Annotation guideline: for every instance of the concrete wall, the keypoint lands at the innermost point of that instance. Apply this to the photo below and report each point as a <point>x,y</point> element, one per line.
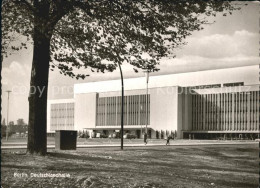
<point>164,109</point>
<point>85,110</point>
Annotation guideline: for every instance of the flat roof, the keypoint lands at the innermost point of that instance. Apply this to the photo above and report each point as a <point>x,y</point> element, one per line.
<point>248,74</point>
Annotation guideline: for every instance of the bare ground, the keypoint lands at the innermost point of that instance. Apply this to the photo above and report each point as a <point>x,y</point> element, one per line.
<point>158,166</point>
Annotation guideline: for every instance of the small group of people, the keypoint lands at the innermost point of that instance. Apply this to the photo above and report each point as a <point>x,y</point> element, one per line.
<point>167,140</point>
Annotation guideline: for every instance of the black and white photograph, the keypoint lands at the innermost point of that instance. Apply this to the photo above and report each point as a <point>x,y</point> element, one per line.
<point>130,94</point>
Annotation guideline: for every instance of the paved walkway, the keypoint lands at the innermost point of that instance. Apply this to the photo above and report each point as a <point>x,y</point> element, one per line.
<point>172,143</point>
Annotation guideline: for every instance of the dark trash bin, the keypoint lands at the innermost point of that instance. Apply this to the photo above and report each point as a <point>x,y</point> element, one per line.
<point>66,140</point>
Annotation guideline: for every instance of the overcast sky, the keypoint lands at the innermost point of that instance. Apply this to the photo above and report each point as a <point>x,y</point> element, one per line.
<point>232,41</point>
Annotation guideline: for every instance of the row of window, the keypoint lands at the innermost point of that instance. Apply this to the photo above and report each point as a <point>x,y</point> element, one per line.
<point>211,112</point>
<point>217,85</point>
<point>62,116</point>
<point>206,86</point>
<point>136,110</point>
<point>233,84</point>
<point>62,110</point>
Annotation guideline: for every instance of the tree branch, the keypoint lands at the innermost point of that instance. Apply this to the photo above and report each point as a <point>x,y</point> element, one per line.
<point>26,4</point>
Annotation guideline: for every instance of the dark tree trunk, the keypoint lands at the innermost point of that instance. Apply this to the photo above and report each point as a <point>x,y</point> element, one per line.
<point>37,137</point>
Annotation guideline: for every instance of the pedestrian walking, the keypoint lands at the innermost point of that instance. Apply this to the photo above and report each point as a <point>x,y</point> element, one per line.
<point>145,138</point>
<point>168,140</point>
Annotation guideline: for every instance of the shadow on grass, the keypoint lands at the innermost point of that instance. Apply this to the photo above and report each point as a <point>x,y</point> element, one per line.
<point>69,156</point>
<point>15,166</point>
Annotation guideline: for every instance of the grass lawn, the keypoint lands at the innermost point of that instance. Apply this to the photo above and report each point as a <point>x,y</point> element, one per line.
<point>107,141</point>
<point>82,141</point>
<point>158,166</point>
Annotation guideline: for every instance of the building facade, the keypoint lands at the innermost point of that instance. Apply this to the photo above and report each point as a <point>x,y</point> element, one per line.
<point>205,104</point>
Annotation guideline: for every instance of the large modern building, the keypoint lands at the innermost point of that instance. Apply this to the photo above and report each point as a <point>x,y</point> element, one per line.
<point>204,104</point>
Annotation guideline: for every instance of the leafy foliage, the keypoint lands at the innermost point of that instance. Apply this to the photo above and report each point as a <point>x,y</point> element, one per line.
<point>16,28</point>
<point>101,34</point>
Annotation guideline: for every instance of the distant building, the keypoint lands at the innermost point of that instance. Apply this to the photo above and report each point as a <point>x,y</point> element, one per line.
<point>204,104</point>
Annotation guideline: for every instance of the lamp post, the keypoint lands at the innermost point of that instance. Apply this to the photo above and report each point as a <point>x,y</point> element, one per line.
<point>146,101</point>
<point>122,107</point>
<point>8,92</point>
